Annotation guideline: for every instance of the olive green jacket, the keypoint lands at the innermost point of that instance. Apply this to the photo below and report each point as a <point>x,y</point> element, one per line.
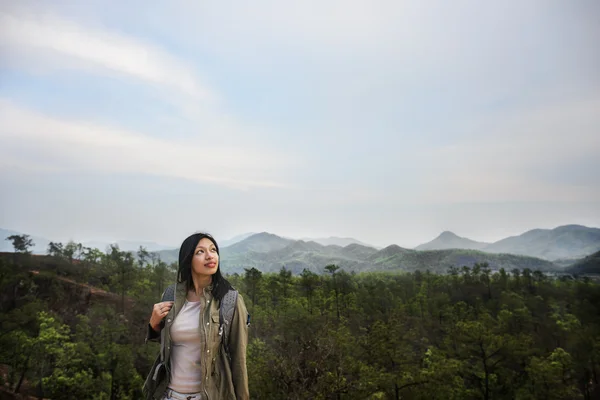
<point>224,375</point>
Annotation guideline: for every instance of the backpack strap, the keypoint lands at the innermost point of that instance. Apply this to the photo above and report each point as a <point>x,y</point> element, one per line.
<point>169,293</point>
<point>226,312</point>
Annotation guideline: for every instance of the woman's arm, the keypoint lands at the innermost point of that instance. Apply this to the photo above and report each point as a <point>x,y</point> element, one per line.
<point>238,342</point>
<point>156,323</point>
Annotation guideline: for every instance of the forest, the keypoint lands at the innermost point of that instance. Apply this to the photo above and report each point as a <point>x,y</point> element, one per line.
<point>73,323</point>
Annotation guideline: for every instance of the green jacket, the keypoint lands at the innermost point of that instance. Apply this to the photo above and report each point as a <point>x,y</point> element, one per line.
<point>224,375</point>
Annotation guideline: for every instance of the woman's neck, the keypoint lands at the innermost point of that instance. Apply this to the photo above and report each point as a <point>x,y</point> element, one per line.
<point>200,282</point>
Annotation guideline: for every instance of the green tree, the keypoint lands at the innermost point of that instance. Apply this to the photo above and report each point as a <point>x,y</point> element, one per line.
<point>308,283</point>
<point>252,279</point>
<point>551,378</point>
<point>332,269</point>
<point>285,281</point>
<point>55,249</point>
<point>21,243</point>
<point>73,251</point>
<point>143,256</point>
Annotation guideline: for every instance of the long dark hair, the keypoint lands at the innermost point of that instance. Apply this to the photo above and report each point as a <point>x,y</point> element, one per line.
<point>220,285</point>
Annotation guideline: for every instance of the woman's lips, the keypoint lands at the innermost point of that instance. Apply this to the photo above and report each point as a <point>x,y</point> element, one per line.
<point>210,265</point>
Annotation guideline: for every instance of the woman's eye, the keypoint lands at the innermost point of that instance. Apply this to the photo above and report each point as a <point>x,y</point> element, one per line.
<point>200,251</point>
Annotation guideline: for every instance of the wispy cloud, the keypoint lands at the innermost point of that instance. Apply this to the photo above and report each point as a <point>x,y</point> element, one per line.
<point>44,40</point>
<point>80,145</point>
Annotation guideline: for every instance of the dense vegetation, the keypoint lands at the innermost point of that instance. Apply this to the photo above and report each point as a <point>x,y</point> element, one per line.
<point>468,334</point>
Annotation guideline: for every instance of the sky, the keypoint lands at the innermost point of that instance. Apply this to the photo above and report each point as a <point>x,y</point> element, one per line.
<point>386,121</point>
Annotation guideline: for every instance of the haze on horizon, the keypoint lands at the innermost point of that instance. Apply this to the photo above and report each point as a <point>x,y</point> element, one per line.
<point>385,121</point>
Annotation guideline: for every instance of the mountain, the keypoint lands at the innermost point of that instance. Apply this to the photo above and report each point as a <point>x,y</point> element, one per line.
<point>568,241</point>
<point>263,242</point>
<point>438,261</point>
<point>260,242</point>
<point>235,239</point>
<point>588,265</point>
<point>449,240</point>
<point>297,255</point>
<point>268,252</point>
<point>562,243</point>
<point>338,241</point>
<point>358,251</point>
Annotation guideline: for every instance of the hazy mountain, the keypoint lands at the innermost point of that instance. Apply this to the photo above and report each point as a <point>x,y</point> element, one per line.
<point>561,243</point>
<point>235,239</point>
<point>388,252</point>
<point>298,255</point>
<point>269,252</point>
<point>40,243</point>
<point>587,265</point>
<point>449,240</point>
<point>337,241</point>
<point>569,241</point>
<point>358,251</point>
<point>397,258</point>
<point>260,242</point>
<point>263,242</point>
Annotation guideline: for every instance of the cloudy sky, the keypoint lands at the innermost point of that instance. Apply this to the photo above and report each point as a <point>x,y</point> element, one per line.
<point>387,121</point>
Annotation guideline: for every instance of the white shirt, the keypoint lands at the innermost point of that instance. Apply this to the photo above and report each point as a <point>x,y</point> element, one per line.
<point>186,372</point>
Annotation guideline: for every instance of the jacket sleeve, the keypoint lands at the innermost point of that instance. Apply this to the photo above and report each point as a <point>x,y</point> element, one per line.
<point>238,342</point>
<point>152,335</point>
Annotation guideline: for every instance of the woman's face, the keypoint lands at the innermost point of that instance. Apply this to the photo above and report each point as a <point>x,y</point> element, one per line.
<point>206,258</point>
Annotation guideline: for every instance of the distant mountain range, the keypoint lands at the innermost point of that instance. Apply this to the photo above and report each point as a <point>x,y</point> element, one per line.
<point>564,242</point>
<point>535,249</point>
<point>268,253</point>
<point>338,241</point>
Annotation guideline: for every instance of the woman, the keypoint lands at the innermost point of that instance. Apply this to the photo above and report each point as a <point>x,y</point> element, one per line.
<point>194,362</point>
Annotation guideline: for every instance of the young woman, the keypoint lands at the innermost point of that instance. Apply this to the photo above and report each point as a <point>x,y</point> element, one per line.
<point>194,362</point>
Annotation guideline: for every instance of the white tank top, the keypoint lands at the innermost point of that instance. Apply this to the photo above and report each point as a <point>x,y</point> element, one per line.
<point>186,372</point>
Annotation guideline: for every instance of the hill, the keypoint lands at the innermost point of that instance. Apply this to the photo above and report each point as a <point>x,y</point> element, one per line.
<point>449,240</point>
<point>337,241</point>
<point>588,265</point>
<point>439,261</point>
<point>241,252</point>
<point>261,242</point>
<point>235,239</point>
<point>568,241</point>
<point>562,243</point>
<point>299,255</point>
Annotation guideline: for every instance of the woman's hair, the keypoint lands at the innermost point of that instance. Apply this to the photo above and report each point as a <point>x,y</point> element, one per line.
<point>220,285</point>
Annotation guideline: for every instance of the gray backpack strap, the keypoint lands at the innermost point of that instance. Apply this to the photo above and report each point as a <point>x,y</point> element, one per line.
<point>226,312</point>
<point>169,294</point>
